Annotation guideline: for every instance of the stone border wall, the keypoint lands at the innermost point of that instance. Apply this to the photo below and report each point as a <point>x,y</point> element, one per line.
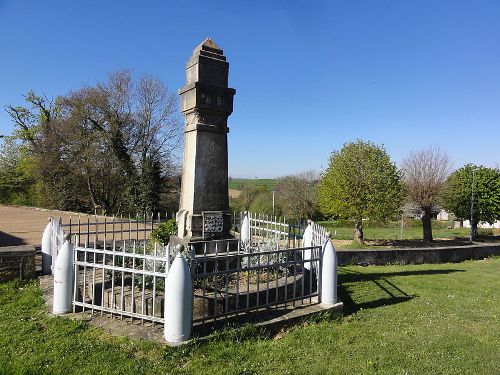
<point>17,262</point>
<point>451,254</point>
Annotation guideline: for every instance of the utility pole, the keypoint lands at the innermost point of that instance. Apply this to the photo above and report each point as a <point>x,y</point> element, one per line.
<point>472,234</point>
<point>273,202</point>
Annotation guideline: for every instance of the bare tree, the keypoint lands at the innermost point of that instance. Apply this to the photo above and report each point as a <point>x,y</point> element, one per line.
<point>155,138</point>
<point>425,172</point>
<point>296,194</point>
<point>106,146</point>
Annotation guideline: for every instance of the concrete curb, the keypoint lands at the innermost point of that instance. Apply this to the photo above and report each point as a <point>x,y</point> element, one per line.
<point>429,255</point>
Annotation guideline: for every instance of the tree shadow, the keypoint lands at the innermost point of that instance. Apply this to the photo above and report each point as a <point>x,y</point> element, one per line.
<point>488,238</point>
<point>10,240</point>
<point>351,276</point>
<point>382,292</point>
<point>437,242</point>
<point>418,243</point>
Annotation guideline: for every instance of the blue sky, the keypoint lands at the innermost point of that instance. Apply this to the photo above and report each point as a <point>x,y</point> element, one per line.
<point>309,75</point>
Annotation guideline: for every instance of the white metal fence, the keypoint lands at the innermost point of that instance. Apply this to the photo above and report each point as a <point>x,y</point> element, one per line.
<point>126,280</point>
<point>265,228</point>
<point>118,269</point>
<point>124,273</point>
<point>98,231</point>
<point>319,234</point>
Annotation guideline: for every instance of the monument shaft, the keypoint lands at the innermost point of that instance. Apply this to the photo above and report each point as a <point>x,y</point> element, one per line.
<point>206,102</point>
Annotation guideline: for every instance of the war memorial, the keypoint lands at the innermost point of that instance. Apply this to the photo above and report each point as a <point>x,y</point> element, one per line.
<point>220,267</point>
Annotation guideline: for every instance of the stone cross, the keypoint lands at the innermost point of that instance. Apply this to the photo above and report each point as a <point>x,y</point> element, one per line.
<point>206,102</point>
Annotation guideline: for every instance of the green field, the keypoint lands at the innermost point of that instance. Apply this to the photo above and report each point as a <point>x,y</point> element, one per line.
<point>425,319</point>
<point>239,183</point>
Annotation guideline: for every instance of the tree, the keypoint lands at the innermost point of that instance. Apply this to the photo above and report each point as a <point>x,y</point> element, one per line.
<point>425,172</point>
<point>106,147</point>
<point>17,183</point>
<point>42,134</point>
<point>157,137</point>
<point>360,182</point>
<point>263,203</point>
<point>296,195</point>
<point>247,197</point>
<point>473,186</point>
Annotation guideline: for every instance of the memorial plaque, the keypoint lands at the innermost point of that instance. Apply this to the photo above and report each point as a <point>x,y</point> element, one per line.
<point>213,222</point>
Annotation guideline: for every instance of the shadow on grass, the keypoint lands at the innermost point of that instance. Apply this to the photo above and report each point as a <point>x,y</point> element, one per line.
<point>419,243</point>
<point>350,276</point>
<point>488,238</point>
<point>379,291</point>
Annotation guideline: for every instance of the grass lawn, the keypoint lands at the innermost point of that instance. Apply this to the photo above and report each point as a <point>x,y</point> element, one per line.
<point>425,319</point>
<point>239,183</point>
<point>409,233</point>
<point>412,230</point>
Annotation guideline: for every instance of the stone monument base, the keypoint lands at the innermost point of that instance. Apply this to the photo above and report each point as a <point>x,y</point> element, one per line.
<point>219,246</point>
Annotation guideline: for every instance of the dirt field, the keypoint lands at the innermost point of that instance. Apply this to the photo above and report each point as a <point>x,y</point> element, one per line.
<point>24,225</point>
<point>233,193</point>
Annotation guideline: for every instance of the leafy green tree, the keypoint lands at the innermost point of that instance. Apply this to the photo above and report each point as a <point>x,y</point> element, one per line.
<point>457,195</point>
<point>17,182</point>
<point>360,182</point>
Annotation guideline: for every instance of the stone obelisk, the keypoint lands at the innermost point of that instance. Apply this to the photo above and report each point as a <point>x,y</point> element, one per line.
<point>206,102</point>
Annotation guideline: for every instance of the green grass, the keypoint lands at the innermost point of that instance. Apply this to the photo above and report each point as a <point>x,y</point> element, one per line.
<point>239,183</point>
<point>425,319</point>
<point>393,231</point>
<point>395,234</point>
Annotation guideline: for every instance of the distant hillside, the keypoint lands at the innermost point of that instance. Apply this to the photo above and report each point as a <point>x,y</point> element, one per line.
<point>239,183</point>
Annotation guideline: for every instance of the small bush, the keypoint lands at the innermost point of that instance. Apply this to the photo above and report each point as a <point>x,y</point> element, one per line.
<point>163,231</point>
<point>485,232</point>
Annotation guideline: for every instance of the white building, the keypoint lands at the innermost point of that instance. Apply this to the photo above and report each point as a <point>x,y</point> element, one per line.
<point>443,215</point>
<point>483,224</point>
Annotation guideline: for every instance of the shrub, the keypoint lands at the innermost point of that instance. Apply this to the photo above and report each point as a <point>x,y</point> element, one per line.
<point>485,232</point>
<point>163,231</point>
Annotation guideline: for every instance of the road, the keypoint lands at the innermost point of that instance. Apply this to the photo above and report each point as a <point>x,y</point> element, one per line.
<point>25,225</point>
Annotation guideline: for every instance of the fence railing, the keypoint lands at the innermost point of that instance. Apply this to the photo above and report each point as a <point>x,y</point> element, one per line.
<point>265,228</point>
<point>319,234</point>
<point>103,231</point>
<point>128,276</point>
<point>230,281</point>
<point>126,280</point>
<point>95,231</point>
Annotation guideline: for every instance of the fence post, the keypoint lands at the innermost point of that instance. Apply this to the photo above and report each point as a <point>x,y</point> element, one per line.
<point>245,232</point>
<point>63,279</point>
<point>47,249</point>
<point>178,301</point>
<point>57,239</point>
<point>307,241</point>
<point>329,274</point>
